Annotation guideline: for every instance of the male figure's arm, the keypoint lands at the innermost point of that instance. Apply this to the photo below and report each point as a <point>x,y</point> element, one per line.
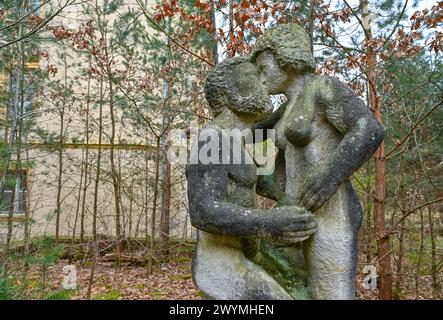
<point>207,187</point>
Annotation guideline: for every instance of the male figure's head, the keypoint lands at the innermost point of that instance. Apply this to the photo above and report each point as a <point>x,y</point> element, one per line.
<point>282,53</point>
<point>234,84</point>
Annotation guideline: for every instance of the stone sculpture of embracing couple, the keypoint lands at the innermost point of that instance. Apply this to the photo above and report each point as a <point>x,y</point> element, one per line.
<point>306,246</point>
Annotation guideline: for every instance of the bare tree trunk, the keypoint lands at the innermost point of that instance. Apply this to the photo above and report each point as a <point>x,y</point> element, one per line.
<point>214,53</point>
<point>145,191</point>
<point>9,231</point>
<point>312,4</point>
<point>368,222</point>
<point>420,256</point>
<point>165,174</point>
<point>166,208</point>
<point>94,253</point>
<point>114,172</point>
<point>401,249</point>
<point>154,204</point>
<point>384,256</point>
<point>95,246</point>
<point>106,67</point>
<point>434,271</point>
<point>85,182</point>
<point>14,108</point>
<point>131,201</point>
<point>17,115</point>
<point>122,208</point>
<point>77,210</point>
<point>83,201</point>
<point>231,27</point>
<point>60,152</point>
<point>26,231</point>
<point>59,180</point>
<point>99,155</point>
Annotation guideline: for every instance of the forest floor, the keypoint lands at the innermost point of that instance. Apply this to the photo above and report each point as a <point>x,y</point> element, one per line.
<point>168,280</point>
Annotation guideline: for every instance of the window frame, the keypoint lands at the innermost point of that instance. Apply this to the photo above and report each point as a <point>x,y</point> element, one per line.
<point>25,202</point>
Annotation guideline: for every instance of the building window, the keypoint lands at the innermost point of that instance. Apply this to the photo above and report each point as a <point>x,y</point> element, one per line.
<point>26,107</point>
<point>15,193</point>
<point>3,102</point>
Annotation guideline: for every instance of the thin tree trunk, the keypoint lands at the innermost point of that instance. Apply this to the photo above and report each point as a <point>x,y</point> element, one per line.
<point>26,250</point>
<point>94,253</point>
<point>114,172</point>
<point>230,54</point>
<point>124,221</point>
<point>85,182</point>
<point>384,258</point>
<point>18,119</point>
<point>434,272</point>
<point>214,51</point>
<point>77,210</point>
<point>165,174</point>
<point>9,231</point>
<point>146,193</point>
<point>154,205</point>
<point>83,202</point>
<point>95,247</point>
<point>99,155</point>
<point>26,231</point>
<point>60,152</point>
<point>131,201</point>
<point>106,67</point>
<point>401,249</point>
<point>14,105</point>
<point>368,222</point>
<point>420,256</point>
<point>312,4</point>
<point>166,212</point>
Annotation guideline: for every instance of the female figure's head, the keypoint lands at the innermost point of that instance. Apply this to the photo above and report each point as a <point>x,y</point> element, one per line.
<point>234,84</point>
<point>281,53</point>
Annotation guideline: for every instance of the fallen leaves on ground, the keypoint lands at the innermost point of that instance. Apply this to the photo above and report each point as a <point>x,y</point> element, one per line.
<point>171,280</point>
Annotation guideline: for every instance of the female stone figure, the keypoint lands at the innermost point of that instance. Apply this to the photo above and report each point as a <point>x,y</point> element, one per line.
<point>222,194</point>
<point>324,133</point>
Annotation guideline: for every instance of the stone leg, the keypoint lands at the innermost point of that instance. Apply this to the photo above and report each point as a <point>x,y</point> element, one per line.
<point>332,253</point>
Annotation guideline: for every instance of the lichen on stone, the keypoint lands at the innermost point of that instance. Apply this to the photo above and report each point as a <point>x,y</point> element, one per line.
<point>231,85</point>
<point>290,45</point>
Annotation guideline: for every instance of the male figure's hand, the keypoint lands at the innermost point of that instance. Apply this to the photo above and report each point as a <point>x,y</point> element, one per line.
<point>294,224</point>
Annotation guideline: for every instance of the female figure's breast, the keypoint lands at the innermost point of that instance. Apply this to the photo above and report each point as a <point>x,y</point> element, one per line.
<point>280,139</point>
<point>324,139</point>
<point>298,131</point>
<point>293,128</point>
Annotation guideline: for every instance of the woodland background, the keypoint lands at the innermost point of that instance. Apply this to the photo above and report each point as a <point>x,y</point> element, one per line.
<point>147,62</point>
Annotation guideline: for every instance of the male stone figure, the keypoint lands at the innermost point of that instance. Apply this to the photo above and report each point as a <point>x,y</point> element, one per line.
<point>222,194</point>
<point>324,133</point>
